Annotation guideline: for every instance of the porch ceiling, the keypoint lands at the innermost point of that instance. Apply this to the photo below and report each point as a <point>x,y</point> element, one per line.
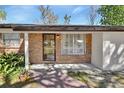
<point>62,28</point>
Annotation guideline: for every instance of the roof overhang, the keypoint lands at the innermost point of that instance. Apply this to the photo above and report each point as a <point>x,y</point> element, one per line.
<point>62,28</point>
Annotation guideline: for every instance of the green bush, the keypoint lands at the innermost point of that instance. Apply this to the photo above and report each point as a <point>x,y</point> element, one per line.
<point>11,62</point>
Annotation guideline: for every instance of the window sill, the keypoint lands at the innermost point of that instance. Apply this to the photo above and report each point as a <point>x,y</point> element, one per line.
<point>73,54</point>
<point>4,47</point>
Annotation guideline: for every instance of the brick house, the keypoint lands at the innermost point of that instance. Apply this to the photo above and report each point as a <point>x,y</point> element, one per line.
<point>102,46</point>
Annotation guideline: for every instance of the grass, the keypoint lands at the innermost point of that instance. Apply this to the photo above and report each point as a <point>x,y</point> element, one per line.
<point>109,80</point>
<point>84,77</point>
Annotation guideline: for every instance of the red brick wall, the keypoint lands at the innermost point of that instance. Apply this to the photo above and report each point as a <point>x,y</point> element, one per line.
<point>36,49</point>
<point>74,58</point>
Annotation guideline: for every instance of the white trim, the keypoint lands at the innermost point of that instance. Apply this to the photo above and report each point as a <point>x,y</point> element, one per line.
<point>6,30</point>
<point>26,51</point>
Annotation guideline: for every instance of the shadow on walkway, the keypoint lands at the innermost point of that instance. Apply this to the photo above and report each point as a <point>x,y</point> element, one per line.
<point>48,79</point>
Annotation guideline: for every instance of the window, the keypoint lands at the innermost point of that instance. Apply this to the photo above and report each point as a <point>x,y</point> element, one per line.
<point>11,39</point>
<point>73,44</point>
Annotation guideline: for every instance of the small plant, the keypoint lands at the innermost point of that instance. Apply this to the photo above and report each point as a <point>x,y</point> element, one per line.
<point>1,76</point>
<point>24,75</point>
<point>10,64</point>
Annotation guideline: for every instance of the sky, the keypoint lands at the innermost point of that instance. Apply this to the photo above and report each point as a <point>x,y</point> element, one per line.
<point>30,14</point>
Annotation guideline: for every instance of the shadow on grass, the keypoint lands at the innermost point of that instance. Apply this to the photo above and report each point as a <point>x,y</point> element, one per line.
<point>107,80</point>
<point>82,76</point>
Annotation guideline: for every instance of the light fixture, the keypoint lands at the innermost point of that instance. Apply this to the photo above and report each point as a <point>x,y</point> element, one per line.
<point>58,36</point>
<point>80,41</point>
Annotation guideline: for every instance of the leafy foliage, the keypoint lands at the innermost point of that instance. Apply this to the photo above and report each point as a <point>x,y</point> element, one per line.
<point>47,15</point>
<point>112,15</point>
<point>93,15</point>
<point>11,62</point>
<point>67,19</point>
<point>2,15</point>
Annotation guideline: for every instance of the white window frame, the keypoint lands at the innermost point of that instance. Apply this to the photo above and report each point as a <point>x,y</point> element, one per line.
<point>73,48</point>
<point>10,45</point>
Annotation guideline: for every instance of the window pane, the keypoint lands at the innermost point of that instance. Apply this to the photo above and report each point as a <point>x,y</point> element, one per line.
<point>79,41</point>
<point>73,44</point>
<point>11,40</point>
<point>70,41</point>
<point>66,41</point>
<point>11,36</point>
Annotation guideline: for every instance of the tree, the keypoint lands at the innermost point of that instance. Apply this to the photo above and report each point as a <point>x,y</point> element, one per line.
<point>92,14</point>
<point>47,15</point>
<point>111,15</point>
<point>2,15</point>
<point>67,19</point>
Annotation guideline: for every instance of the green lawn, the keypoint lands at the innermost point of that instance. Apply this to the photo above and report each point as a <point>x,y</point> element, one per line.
<point>114,80</point>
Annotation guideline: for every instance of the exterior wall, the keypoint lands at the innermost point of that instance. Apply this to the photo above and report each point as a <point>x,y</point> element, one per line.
<point>108,50</point>
<point>19,49</point>
<point>36,48</point>
<point>74,58</point>
<point>97,47</point>
<point>113,51</point>
<point>1,44</point>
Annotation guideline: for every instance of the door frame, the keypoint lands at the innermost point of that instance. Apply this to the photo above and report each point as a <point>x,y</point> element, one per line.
<point>54,46</point>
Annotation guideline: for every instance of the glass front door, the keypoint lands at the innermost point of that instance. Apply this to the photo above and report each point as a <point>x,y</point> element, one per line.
<point>49,47</point>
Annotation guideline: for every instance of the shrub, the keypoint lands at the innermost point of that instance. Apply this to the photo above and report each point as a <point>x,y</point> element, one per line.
<point>11,62</point>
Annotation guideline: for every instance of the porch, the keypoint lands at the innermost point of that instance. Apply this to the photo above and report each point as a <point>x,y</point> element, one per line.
<point>66,67</point>
<point>102,46</point>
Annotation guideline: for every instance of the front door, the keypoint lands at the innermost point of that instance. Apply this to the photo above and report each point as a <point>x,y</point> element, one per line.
<point>49,47</point>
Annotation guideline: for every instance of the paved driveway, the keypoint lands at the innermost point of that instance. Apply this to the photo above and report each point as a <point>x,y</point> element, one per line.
<point>53,79</point>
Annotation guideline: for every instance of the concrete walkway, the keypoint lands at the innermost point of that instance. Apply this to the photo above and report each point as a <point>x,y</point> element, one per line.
<point>53,79</point>
<point>84,66</point>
